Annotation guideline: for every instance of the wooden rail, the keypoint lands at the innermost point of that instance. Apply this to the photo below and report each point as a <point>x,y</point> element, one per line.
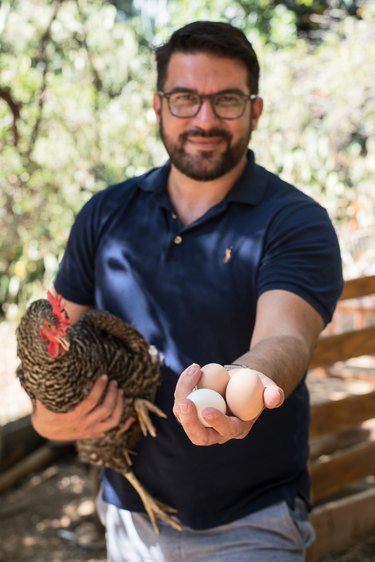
<point>338,415</point>
<point>361,287</point>
<point>341,347</point>
<point>341,469</point>
<point>341,516</point>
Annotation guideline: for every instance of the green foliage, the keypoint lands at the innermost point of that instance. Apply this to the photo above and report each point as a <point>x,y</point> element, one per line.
<point>318,129</point>
<point>278,21</point>
<point>76,83</point>
<point>74,115</point>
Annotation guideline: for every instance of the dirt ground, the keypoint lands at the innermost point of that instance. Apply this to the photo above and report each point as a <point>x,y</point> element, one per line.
<point>50,515</point>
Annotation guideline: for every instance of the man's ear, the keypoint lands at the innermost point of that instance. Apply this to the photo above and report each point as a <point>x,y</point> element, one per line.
<point>256,112</point>
<point>156,103</point>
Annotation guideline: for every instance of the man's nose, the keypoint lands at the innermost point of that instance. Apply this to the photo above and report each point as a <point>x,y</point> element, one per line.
<point>206,113</point>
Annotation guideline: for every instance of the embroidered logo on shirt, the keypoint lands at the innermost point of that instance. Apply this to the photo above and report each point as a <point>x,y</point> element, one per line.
<point>228,254</point>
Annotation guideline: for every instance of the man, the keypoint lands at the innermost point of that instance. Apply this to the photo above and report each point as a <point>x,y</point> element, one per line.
<point>213,259</point>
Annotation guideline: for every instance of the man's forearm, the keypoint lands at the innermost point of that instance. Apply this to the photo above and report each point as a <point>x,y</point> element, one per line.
<point>284,359</point>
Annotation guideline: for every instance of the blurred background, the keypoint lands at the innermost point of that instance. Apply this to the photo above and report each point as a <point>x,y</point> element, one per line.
<point>76,84</point>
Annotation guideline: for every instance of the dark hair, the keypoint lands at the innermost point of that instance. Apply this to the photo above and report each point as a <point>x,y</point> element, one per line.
<point>217,38</point>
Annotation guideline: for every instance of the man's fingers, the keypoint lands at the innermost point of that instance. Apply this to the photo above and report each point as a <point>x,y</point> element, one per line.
<point>106,416</point>
<point>186,413</point>
<point>99,412</point>
<point>273,396</point>
<point>94,396</point>
<point>224,425</point>
<point>115,408</point>
<point>110,407</point>
<point>129,422</point>
<point>223,428</point>
<point>187,381</point>
<point>229,427</point>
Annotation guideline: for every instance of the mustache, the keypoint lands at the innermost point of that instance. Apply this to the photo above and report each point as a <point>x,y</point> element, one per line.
<point>215,132</point>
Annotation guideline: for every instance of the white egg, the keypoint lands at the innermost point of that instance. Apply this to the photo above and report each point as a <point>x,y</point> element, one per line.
<point>215,377</point>
<point>207,398</point>
<point>244,394</point>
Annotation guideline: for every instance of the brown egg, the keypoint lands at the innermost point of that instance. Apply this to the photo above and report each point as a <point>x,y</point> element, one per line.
<point>215,377</point>
<point>244,394</point>
<point>234,370</point>
<point>207,398</point>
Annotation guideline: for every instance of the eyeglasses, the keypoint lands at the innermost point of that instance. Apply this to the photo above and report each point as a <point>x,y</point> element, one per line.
<point>225,105</point>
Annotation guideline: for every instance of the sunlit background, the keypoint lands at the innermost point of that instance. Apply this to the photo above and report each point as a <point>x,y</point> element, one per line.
<point>76,83</point>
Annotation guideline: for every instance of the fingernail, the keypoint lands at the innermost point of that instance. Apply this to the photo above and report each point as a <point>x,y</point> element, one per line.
<point>192,369</point>
<point>104,378</point>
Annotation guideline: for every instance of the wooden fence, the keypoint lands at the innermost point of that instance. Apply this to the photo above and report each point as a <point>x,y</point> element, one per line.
<point>342,440</point>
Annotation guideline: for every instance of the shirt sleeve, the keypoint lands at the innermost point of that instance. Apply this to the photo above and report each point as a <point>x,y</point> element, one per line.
<point>302,255</point>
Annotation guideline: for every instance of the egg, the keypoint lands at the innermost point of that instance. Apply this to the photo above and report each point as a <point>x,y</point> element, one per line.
<point>215,377</point>
<point>207,398</point>
<point>244,394</point>
<point>232,371</point>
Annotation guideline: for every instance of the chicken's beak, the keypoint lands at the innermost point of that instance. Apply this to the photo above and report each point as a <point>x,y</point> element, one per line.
<point>63,342</point>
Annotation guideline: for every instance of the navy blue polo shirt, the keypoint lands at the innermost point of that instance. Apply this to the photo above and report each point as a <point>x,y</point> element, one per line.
<point>192,291</point>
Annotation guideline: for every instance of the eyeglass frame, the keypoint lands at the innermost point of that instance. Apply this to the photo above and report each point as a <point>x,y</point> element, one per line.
<point>210,98</point>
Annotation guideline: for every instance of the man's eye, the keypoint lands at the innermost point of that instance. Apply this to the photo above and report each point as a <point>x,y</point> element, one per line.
<point>185,97</point>
<point>228,99</point>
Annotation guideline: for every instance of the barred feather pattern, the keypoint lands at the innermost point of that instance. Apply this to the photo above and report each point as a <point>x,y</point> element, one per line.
<point>99,343</point>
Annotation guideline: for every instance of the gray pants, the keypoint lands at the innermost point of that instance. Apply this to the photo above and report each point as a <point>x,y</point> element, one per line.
<point>273,534</point>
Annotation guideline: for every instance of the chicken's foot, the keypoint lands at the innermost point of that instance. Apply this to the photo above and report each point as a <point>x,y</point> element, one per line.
<point>127,457</point>
<point>142,408</point>
<point>153,507</point>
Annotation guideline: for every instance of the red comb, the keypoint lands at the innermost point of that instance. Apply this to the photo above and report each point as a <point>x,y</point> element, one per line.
<point>58,309</point>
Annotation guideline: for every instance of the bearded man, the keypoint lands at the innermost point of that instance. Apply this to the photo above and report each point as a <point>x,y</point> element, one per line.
<point>213,259</point>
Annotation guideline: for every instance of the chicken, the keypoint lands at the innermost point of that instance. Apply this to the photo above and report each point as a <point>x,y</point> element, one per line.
<point>59,364</point>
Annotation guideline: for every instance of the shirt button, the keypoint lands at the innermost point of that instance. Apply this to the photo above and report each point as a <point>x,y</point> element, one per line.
<point>177,240</point>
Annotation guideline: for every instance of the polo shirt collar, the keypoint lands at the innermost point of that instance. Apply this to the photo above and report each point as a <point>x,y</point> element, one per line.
<point>251,185</point>
<point>249,188</point>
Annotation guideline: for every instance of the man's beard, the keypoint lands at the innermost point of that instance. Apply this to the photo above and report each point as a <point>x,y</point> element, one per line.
<point>205,165</point>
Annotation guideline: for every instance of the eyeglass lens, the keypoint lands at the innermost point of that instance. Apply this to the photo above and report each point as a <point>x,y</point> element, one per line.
<point>226,105</point>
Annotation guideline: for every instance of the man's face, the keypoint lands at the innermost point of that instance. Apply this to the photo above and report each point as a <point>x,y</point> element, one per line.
<point>206,147</point>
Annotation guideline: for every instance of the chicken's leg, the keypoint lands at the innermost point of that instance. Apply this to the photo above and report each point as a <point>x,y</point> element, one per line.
<point>153,507</point>
<point>142,408</point>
